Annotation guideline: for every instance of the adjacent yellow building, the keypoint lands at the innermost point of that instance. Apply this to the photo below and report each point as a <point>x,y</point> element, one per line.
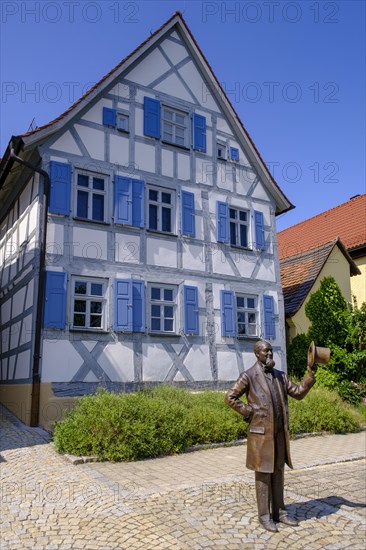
<point>332,243</point>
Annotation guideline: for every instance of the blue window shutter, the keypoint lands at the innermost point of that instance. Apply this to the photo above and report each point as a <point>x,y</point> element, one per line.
<point>222,221</point>
<point>234,153</point>
<point>228,325</point>
<point>259,230</point>
<point>188,220</point>
<point>122,200</point>
<point>55,300</point>
<point>129,201</point>
<point>199,133</point>
<point>138,306</point>
<point>60,181</point>
<point>151,117</point>
<point>191,317</point>
<point>123,305</point>
<point>269,317</point>
<point>109,117</point>
<point>138,194</point>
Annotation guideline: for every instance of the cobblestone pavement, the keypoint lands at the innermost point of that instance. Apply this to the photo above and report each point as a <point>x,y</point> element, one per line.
<point>194,501</point>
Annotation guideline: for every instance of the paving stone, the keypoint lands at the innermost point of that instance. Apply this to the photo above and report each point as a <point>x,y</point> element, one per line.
<point>196,501</point>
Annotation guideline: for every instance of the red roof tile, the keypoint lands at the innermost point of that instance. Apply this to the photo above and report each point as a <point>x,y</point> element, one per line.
<point>346,221</point>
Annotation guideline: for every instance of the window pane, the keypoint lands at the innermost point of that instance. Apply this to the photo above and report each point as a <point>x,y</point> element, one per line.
<point>251,302</point>
<point>243,216</point>
<point>241,329</point>
<point>155,324</point>
<point>79,320</point>
<point>179,132</point>
<point>155,311</point>
<point>221,151</point>
<point>79,306</point>
<point>168,312</point>
<point>251,317</point>
<point>168,137</point>
<point>179,140</point>
<point>241,317</point>
<point>252,330</point>
<point>83,181</point>
<point>122,122</point>
<point>232,213</point>
<point>155,293</point>
<point>179,119</point>
<point>166,198</point>
<point>243,235</point>
<point>80,287</point>
<point>153,195</point>
<point>95,307</point>
<point>168,294</point>
<point>168,115</point>
<point>98,207</point>
<point>82,206</point>
<point>96,289</point>
<point>166,224</point>
<point>240,301</point>
<point>232,233</point>
<point>168,325</point>
<point>98,183</point>
<point>167,132</point>
<point>96,321</point>
<point>153,216</point>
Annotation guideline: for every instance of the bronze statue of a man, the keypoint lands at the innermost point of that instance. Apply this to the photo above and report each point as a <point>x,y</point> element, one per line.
<point>268,446</point>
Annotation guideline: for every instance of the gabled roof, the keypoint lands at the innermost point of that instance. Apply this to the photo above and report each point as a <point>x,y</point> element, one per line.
<point>346,221</point>
<point>299,273</point>
<point>31,139</point>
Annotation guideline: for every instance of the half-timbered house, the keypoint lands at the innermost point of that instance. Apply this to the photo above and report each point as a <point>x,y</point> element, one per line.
<point>138,240</point>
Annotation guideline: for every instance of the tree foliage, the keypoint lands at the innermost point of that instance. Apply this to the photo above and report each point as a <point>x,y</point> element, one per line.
<point>356,336</point>
<point>296,355</point>
<point>327,310</point>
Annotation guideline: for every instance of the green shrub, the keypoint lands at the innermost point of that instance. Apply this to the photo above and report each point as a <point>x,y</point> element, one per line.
<point>322,410</point>
<point>166,420</point>
<point>123,427</point>
<point>348,390</point>
<point>362,410</point>
<point>213,421</point>
<point>149,423</point>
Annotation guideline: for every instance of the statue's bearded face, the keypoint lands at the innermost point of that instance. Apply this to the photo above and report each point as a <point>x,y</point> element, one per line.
<point>265,356</point>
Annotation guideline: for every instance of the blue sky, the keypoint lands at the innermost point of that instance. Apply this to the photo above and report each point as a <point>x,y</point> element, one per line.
<point>294,71</point>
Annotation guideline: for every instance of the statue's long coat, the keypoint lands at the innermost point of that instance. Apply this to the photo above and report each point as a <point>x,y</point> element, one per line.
<point>259,412</point>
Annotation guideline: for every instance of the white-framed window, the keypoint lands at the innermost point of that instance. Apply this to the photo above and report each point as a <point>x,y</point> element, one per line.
<point>123,122</point>
<point>247,315</point>
<point>221,151</point>
<point>161,209</point>
<point>162,308</point>
<point>88,303</point>
<point>91,196</point>
<point>239,227</point>
<point>175,126</point>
